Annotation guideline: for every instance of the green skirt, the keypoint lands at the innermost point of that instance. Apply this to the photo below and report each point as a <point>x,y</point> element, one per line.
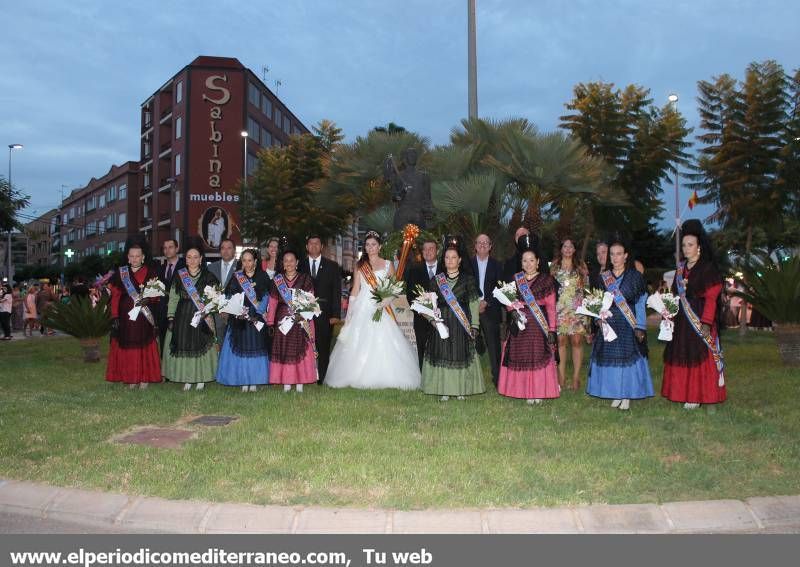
<point>441,381</point>
<point>188,369</point>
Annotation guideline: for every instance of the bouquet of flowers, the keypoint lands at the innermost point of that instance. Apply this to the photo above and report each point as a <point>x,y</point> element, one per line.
<point>305,307</point>
<point>597,303</point>
<point>214,301</point>
<point>384,293</point>
<point>506,294</point>
<point>425,305</point>
<point>666,305</point>
<point>154,288</point>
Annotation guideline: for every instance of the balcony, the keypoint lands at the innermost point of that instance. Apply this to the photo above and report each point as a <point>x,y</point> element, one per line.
<point>165,185</point>
<point>146,194</point>
<point>166,149</point>
<point>145,222</point>
<point>165,115</point>
<point>164,219</point>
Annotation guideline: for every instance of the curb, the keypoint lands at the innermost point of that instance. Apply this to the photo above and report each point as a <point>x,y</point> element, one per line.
<point>109,510</point>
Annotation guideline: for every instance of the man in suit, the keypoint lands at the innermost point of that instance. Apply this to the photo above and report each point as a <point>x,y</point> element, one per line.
<point>167,272</point>
<point>421,274</point>
<point>327,277</point>
<point>488,272</point>
<point>223,270</point>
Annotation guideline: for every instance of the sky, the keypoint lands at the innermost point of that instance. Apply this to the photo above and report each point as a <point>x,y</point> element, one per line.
<point>74,73</point>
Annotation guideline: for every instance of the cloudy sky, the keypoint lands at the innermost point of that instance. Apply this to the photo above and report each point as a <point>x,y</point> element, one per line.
<point>73,73</point>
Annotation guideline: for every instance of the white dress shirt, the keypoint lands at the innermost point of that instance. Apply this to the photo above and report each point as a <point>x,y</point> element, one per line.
<point>311,261</point>
<point>481,273</point>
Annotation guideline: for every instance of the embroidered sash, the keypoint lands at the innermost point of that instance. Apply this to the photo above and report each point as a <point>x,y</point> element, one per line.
<point>194,295</point>
<point>530,301</point>
<point>250,294</point>
<point>125,276</point>
<point>694,320</point>
<point>369,275</point>
<point>286,294</point>
<point>613,286</point>
<point>452,302</point>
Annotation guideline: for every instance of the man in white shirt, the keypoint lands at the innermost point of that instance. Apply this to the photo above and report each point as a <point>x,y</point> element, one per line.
<point>223,270</point>
<point>488,272</point>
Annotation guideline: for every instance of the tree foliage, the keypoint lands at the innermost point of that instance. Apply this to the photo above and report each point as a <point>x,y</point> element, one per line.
<point>11,202</point>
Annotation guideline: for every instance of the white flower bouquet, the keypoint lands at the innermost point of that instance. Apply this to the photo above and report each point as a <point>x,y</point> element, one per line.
<point>425,305</point>
<point>214,301</point>
<point>384,293</point>
<point>597,303</point>
<point>305,307</point>
<point>154,288</point>
<point>506,294</point>
<point>666,304</point>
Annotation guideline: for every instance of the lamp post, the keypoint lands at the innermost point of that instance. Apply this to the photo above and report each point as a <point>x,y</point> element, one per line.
<point>245,135</point>
<point>11,148</point>
<point>673,99</point>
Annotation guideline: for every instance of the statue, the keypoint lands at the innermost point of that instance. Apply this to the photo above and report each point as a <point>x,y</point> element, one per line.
<point>411,190</point>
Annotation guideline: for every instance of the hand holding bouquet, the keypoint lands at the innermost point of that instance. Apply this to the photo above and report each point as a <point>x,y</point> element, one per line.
<point>154,288</point>
<point>506,294</point>
<point>597,303</point>
<point>425,305</point>
<point>305,307</point>
<point>666,305</point>
<point>214,301</point>
<point>384,293</point>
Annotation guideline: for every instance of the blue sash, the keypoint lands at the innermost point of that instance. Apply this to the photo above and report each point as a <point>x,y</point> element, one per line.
<point>194,295</point>
<point>530,301</point>
<point>250,294</point>
<point>694,320</point>
<point>452,302</point>
<point>613,286</point>
<point>125,276</point>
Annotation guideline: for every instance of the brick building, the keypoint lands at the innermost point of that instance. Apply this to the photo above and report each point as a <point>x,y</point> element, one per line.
<point>98,218</point>
<point>193,149</point>
<point>43,233</point>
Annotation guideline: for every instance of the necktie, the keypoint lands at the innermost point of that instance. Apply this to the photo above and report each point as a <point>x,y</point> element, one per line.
<point>169,271</point>
<point>314,268</point>
<point>431,271</point>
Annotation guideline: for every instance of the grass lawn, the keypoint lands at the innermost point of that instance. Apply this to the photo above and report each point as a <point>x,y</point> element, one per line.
<point>400,449</point>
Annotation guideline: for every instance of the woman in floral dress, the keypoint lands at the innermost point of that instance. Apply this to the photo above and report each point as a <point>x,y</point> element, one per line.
<point>572,276</point>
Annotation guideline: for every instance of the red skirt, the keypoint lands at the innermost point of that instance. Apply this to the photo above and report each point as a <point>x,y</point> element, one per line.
<point>133,365</point>
<point>694,384</point>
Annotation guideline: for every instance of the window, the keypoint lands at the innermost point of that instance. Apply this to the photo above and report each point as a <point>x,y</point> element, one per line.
<point>146,181</point>
<point>178,235</point>
<point>287,125</point>
<point>146,212</point>
<point>102,202</point>
<point>123,192</point>
<point>266,106</point>
<point>178,127</point>
<point>101,227</point>
<point>71,213</point>
<point>254,95</point>
<point>278,117</point>
<point>252,163</point>
<point>146,149</point>
<point>71,236</point>
<point>91,228</point>
<point>90,203</point>
<point>177,201</point>
<point>110,221</point>
<point>179,92</point>
<point>253,130</point>
<point>112,193</point>
<point>122,220</point>
<point>177,164</point>
<point>121,245</point>
<point>266,138</point>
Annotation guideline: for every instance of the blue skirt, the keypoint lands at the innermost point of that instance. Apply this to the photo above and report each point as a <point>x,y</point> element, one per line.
<point>620,382</point>
<point>235,370</point>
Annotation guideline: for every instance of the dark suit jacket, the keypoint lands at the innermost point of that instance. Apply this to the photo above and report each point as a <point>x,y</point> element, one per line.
<point>415,274</point>
<point>162,272</point>
<point>327,286</point>
<point>216,269</point>
<point>494,273</point>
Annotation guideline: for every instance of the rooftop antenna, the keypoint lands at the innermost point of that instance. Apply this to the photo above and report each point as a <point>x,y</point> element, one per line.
<point>264,71</point>
<point>277,84</point>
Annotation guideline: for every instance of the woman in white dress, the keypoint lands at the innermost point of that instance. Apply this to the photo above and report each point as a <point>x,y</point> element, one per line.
<point>370,354</point>
<point>216,229</point>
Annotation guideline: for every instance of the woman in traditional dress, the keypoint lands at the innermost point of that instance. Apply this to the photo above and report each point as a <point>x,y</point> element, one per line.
<point>190,353</point>
<point>133,357</point>
<point>451,366</point>
<point>17,309</point>
<point>572,276</point>
<point>372,354</point>
<point>618,369</point>
<point>269,262</point>
<point>293,360</point>
<point>691,373</point>
<point>244,358</point>
<point>527,367</point>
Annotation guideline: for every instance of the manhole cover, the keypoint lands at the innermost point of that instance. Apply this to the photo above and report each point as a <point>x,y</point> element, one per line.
<point>163,438</point>
<point>213,420</point>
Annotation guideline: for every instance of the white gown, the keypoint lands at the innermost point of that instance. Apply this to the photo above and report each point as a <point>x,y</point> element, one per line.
<point>369,354</point>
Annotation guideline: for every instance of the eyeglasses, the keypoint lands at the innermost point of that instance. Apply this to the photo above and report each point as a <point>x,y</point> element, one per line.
<point>483,243</point>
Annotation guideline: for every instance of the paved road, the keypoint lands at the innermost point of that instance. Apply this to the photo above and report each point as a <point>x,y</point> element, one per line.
<point>12,523</point>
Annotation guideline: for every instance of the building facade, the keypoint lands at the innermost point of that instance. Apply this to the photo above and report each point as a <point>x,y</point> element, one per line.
<point>98,218</point>
<point>194,151</point>
<point>42,233</point>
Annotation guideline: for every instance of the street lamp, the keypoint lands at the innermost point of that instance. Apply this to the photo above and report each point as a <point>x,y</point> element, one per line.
<point>673,99</point>
<point>245,135</point>
<point>11,148</point>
